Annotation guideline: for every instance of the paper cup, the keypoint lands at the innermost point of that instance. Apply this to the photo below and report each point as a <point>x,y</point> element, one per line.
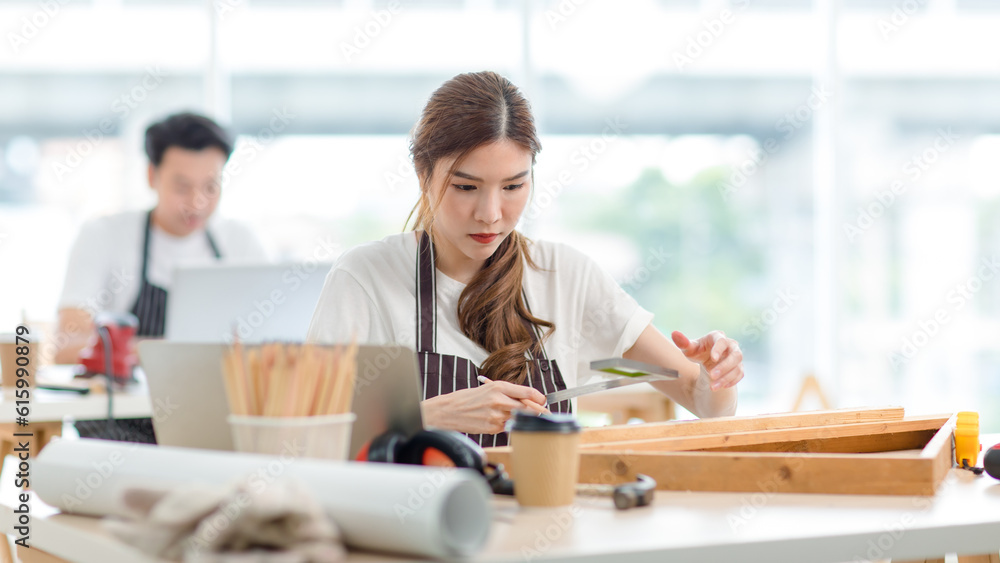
<point>545,458</point>
<point>10,360</point>
<point>324,437</point>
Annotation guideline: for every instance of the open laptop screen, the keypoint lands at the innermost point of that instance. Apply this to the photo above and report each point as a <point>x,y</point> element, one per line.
<point>260,302</point>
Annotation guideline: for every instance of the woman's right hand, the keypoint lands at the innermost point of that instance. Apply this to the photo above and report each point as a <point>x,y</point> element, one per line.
<point>480,410</point>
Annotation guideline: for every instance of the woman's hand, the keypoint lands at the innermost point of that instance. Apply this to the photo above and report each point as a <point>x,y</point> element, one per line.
<point>481,410</point>
<point>720,356</point>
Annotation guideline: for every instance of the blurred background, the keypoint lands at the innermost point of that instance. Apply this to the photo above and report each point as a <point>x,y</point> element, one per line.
<point>814,178</point>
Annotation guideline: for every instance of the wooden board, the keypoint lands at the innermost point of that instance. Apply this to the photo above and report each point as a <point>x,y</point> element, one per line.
<point>841,451</point>
<point>739,424</point>
<point>863,432</point>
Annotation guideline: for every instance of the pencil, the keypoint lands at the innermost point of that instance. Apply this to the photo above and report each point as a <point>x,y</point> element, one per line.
<point>350,372</point>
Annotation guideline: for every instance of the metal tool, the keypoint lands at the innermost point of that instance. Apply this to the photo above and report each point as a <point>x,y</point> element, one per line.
<point>627,495</point>
<point>557,396</point>
<point>631,368</point>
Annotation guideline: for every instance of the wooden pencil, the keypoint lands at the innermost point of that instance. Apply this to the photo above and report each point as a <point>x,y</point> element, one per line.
<point>267,371</point>
<point>310,380</point>
<point>267,359</point>
<point>303,372</point>
<point>290,381</point>
<point>333,401</point>
<point>279,380</point>
<point>283,380</point>
<point>229,376</point>
<point>253,374</point>
<point>324,386</point>
<point>329,388</point>
<point>238,366</point>
<point>350,371</point>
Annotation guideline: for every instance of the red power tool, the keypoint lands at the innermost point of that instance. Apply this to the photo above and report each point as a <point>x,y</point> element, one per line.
<point>115,337</point>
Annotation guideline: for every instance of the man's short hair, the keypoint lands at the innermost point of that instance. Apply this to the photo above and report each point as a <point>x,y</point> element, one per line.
<point>188,131</point>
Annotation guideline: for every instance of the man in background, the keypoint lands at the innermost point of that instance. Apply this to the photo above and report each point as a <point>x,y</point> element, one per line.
<point>124,262</point>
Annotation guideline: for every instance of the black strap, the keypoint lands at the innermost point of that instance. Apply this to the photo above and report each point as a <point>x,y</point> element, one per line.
<point>426,296</point>
<point>145,243</point>
<point>211,244</point>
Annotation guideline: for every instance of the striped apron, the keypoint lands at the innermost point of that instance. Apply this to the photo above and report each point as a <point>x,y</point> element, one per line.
<point>151,305</point>
<point>443,373</point>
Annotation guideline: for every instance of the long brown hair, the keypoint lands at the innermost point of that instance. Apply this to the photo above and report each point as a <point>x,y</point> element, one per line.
<point>466,112</point>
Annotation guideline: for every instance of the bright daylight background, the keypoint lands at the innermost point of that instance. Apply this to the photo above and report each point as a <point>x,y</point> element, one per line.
<point>817,179</point>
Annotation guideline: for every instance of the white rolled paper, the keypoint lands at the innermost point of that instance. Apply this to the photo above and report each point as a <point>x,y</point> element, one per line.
<point>431,512</point>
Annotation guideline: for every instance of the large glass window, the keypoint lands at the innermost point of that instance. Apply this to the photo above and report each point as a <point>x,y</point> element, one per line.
<point>816,183</point>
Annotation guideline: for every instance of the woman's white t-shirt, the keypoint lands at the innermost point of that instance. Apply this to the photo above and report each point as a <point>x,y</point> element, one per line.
<point>105,265</point>
<point>371,293</point>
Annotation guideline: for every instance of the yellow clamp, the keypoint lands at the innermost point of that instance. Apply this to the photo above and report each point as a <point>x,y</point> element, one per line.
<point>967,446</point>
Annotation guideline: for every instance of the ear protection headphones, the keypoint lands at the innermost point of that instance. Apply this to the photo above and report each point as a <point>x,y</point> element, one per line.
<point>440,448</point>
<point>426,447</point>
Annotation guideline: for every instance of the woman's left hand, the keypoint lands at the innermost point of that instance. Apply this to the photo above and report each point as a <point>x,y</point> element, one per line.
<point>721,357</point>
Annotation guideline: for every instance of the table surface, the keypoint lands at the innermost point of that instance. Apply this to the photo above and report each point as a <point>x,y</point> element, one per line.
<point>54,406</point>
<point>963,517</point>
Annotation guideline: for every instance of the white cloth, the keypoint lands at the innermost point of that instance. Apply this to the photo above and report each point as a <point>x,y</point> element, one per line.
<point>279,522</point>
<point>105,265</point>
<point>371,292</point>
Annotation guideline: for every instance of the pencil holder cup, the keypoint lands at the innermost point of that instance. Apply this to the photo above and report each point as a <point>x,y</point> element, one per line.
<point>325,436</point>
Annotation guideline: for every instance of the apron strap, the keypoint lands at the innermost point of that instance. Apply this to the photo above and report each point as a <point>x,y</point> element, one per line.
<point>212,245</point>
<point>145,244</point>
<point>426,296</point>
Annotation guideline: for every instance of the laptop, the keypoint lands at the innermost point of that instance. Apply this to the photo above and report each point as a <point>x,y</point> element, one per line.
<point>187,391</point>
<point>259,302</point>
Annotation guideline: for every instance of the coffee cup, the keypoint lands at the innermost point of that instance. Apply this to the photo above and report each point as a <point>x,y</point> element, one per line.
<point>545,458</point>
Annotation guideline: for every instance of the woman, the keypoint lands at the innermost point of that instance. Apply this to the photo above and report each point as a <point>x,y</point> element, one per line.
<point>475,297</point>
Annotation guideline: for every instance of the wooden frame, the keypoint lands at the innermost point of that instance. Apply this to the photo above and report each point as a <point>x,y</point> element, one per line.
<point>861,451</point>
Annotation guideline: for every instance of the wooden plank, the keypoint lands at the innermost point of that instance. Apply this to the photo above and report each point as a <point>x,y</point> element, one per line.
<point>756,472</point>
<point>874,443</point>
<point>764,473</point>
<point>940,451</point>
<point>862,431</point>
<point>739,424</point>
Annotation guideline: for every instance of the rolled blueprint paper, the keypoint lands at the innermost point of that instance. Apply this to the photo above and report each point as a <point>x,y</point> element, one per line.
<point>431,512</point>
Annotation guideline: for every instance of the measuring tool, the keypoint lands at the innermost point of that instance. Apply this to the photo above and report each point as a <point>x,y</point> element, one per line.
<point>967,446</point>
